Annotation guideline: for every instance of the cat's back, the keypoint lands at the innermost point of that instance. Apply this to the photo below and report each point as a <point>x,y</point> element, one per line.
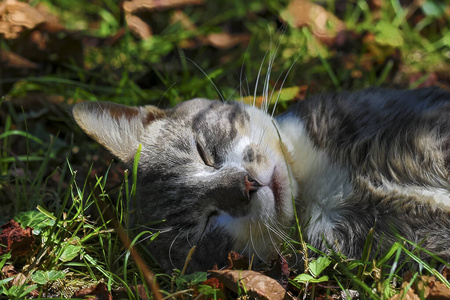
<point>401,136</point>
<point>384,163</point>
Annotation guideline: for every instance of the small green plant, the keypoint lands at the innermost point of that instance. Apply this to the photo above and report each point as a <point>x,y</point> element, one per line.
<point>315,269</point>
<point>393,44</point>
<point>185,281</point>
<point>15,291</point>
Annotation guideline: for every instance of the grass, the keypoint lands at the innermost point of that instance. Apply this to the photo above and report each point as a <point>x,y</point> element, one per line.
<point>55,180</point>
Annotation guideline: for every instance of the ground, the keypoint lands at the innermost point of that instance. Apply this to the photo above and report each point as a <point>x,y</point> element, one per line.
<point>57,53</point>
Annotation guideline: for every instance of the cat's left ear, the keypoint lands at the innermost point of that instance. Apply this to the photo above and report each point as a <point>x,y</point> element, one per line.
<point>117,127</point>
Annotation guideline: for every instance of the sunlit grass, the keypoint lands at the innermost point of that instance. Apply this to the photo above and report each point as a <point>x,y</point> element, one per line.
<point>78,244</point>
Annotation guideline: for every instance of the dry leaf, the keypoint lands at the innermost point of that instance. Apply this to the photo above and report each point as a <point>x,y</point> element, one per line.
<point>179,16</point>
<point>427,287</point>
<point>12,60</point>
<point>20,279</point>
<point>136,5</point>
<point>138,27</point>
<point>436,289</point>
<point>237,261</point>
<point>9,31</point>
<point>14,66</point>
<point>16,239</point>
<point>215,284</point>
<point>410,295</point>
<point>255,284</point>
<point>225,40</point>
<point>45,41</point>
<point>97,292</point>
<point>8,271</point>
<point>280,271</point>
<point>15,16</point>
<point>221,40</point>
<point>122,293</point>
<point>324,25</point>
<point>446,272</point>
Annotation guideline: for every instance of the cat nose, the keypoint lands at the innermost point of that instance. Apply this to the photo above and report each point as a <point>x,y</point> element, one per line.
<point>251,185</point>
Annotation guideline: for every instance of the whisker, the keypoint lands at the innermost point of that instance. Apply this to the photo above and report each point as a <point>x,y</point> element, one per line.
<point>137,242</point>
<point>232,93</point>
<point>146,237</point>
<point>264,102</point>
<point>284,80</point>
<point>257,78</point>
<point>274,243</point>
<point>262,234</point>
<point>285,238</point>
<point>253,246</point>
<point>171,245</point>
<point>240,76</point>
<point>207,76</point>
<point>165,92</point>
<point>269,71</point>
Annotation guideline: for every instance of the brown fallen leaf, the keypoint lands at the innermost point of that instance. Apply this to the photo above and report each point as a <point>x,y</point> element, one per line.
<point>49,43</point>
<point>97,292</point>
<point>15,16</point>
<point>122,293</point>
<point>280,271</point>
<point>38,38</point>
<point>220,40</point>
<point>324,25</point>
<point>8,271</point>
<point>446,273</point>
<point>19,279</point>
<point>13,66</point>
<point>11,60</point>
<point>237,261</point>
<point>138,27</point>
<point>15,239</point>
<point>254,283</point>
<point>215,284</point>
<point>225,40</point>
<point>39,35</point>
<point>437,290</point>
<point>424,287</point>
<point>179,16</point>
<point>136,5</point>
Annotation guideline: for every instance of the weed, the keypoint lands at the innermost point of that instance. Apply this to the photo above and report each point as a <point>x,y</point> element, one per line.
<point>76,245</point>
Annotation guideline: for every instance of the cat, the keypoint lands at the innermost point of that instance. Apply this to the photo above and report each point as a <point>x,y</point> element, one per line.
<point>225,176</point>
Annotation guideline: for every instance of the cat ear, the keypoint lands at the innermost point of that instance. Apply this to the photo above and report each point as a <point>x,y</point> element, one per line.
<point>116,127</point>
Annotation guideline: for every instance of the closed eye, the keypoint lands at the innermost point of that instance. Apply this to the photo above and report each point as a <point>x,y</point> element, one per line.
<point>202,153</point>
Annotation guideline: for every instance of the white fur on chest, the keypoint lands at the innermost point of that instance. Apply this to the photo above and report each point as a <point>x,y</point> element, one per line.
<point>322,185</point>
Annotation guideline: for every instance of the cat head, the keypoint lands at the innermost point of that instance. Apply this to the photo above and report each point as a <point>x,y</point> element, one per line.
<point>216,173</point>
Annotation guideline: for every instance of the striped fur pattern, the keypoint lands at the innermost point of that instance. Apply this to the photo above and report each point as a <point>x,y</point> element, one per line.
<point>225,176</point>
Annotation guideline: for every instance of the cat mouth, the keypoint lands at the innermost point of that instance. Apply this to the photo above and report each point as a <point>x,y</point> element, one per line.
<point>275,186</point>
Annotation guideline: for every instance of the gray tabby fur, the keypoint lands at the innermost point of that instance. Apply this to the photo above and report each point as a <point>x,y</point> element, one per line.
<point>223,175</point>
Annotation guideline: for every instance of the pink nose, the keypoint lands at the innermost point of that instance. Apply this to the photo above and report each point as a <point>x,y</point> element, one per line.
<point>251,185</point>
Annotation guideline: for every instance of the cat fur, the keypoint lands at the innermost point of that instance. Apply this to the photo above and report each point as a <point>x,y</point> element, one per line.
<point>225,176</point>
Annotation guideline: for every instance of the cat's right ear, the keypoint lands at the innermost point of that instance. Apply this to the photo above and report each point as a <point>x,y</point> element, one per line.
<point>116,127</point>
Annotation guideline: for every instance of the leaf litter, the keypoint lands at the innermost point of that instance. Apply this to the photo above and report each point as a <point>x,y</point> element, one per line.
<point>16,240</point>
<point>34,31</point>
